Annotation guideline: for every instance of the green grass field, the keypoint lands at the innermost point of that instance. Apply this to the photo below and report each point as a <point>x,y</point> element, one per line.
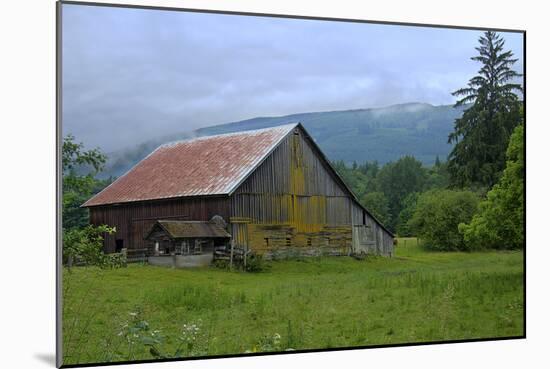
<point>316,303</point>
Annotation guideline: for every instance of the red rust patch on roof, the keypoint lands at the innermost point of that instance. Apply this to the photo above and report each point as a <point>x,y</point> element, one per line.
<point>212,165</point>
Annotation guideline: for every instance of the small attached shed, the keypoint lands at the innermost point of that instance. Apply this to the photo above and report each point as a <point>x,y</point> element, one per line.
<point>177,237</point>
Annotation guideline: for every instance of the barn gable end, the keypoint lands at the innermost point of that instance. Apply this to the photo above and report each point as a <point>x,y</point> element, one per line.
<point>295,203</point>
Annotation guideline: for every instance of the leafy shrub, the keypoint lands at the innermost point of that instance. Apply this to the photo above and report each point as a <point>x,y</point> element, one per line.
<point>256,263</point>
<point>85,246</point>
<point>500,221</point>
<point>437,216</point>
<point>115,260</point>
<point>220,264</point>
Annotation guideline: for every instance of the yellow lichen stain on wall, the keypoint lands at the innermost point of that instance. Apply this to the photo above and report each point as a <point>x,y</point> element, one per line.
<point>308,213</point>
<point>297,179</point>
<point>295,221</point>
<point>265,238</point>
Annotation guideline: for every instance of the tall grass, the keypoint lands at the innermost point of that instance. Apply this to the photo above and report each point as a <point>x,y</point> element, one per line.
<point>299,304</point>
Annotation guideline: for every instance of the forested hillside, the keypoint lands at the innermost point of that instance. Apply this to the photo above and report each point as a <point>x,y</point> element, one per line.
<point>382,134</point>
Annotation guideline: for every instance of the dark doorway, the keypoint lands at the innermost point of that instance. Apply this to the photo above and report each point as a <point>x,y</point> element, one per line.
<point>119,245</point>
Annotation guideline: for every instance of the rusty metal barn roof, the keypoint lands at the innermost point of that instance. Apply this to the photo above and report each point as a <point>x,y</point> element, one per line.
<point>192,229</point>
<point>210,165</point>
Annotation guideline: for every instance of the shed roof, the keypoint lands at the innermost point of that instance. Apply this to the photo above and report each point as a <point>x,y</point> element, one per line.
<point>191,229</point>
<point>211,165</point>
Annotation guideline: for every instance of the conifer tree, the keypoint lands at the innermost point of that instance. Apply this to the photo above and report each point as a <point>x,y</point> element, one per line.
<point>481,135</point>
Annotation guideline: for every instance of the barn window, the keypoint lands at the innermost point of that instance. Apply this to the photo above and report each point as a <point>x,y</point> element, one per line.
<point>185,247</point>
<point>309,241</point>
<point>198,247</point>
<point>266,242</point>
<point>288,242</point>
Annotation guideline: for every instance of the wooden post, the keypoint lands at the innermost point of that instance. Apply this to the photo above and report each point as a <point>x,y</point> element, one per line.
<point>124,253</point>
<point>231,255</point>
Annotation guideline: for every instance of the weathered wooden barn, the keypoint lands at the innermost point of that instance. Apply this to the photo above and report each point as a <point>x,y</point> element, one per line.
<point>277,192</point>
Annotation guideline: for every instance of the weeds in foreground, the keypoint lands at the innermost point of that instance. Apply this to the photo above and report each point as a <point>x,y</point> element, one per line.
<point>137,335</point>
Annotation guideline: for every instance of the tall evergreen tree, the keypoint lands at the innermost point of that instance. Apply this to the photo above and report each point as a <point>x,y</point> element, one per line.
<point>482,133</point>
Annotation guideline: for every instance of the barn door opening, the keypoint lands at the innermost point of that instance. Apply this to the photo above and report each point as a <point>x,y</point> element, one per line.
<point>119,245</point>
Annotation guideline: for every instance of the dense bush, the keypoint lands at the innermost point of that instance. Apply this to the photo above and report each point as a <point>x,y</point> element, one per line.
<point>85,246</point>
<point>256,263</point>
<point>114,260</point>
<point>499,223</point>
<point>437,216</point>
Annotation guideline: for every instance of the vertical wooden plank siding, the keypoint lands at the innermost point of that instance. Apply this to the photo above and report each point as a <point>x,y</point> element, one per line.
<point>294,204</point>
<point>134,220</point>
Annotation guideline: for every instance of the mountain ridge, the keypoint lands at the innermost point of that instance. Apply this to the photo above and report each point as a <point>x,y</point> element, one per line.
<point>371,134</point>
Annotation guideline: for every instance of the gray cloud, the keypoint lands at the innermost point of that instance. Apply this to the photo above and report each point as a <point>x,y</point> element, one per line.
<point>130,74</point>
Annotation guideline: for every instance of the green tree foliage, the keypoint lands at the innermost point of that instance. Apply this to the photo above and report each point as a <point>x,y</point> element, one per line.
<point>383,190</point>
<point>79,183</point>
<point>438,176</point>
<point>437,216</point>
<point>74,156</point>
<point>85,245</point>
<point>481,135</point>
<point>377,204</point>
<point>366,174</point>
<point>370,169</point>
<point>361,179</point>
<point>399,179</point>
<point>499,223</point>
<point>408,207</point>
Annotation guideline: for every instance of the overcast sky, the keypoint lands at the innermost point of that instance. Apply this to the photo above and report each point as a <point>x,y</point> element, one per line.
<point>131,74</point>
